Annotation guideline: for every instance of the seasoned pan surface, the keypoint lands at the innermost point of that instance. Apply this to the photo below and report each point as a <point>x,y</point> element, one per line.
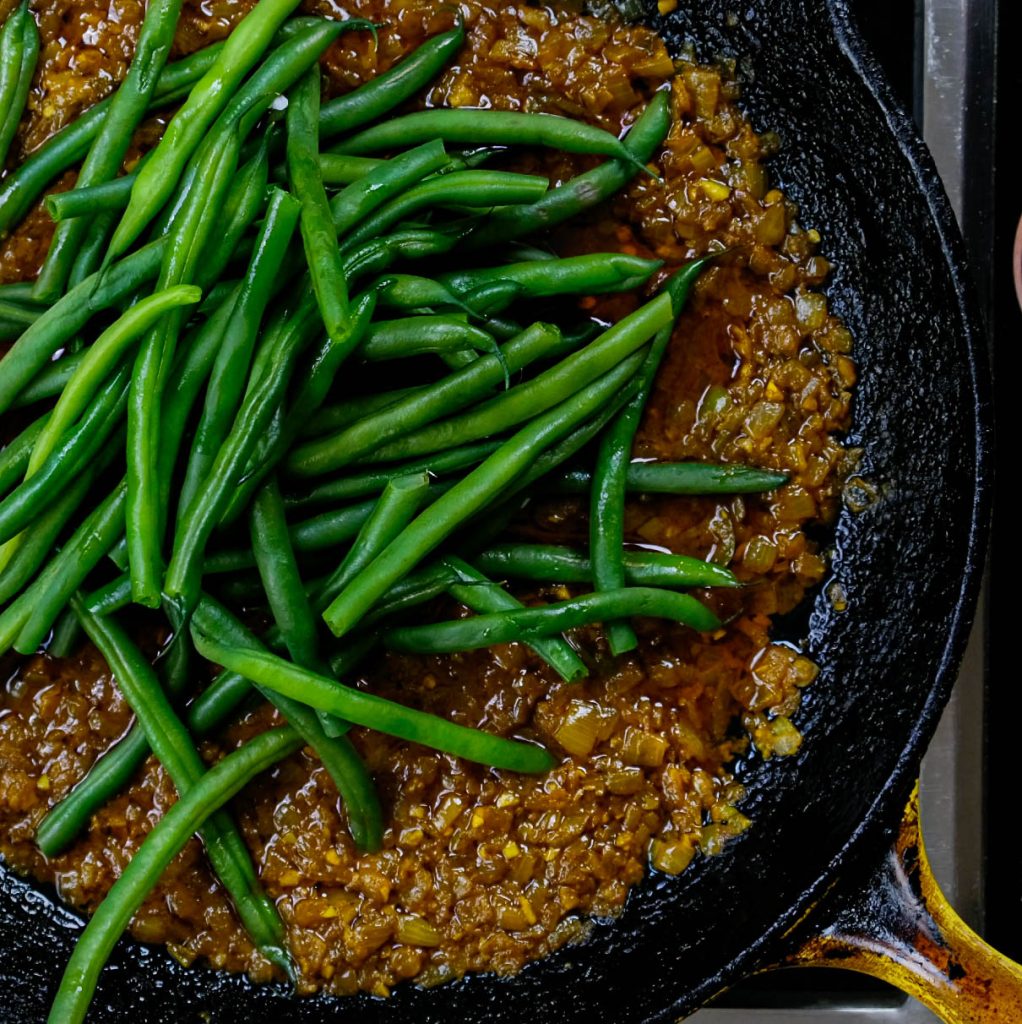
<point>908,564</point>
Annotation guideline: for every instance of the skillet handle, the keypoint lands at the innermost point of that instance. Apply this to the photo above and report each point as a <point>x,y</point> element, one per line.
<point>902,930</point>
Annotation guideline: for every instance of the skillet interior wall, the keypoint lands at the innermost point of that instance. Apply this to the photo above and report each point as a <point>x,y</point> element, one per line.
<point>887,660</point>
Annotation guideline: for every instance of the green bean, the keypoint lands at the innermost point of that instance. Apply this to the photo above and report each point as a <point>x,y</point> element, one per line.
<point>67,635</point>
<point>14,456</point>
<point>114,769</point>
<point>470,495</point>
<point>230,371</point>
<point>275,560</point>
<point>21,560</point>
<point>20,189</point>
<point>88,200</point>
<point>529,623</point>
<point>539,394</point>
<point>155,182</point>
<point>374,712</point>
<point>415,335</point>
<point>175,750</point>
<point>189,815</point>
<point>332,417</point>
<point>106,154</point>
<point>454,392</point>
<point>386,91</point>
<point>244,203</point>
<point>75,452</point>
<point>680,478</point>
<point>554,564</point>
<point>282,348</point>
<point>373,482</point>
<point>595,274</point>
<point>338,169</point>
<point>384,182</point>
<point>145,514</point>
<point>401,499</point>
<point>18,315</point>
<point>481,594</point>
<point>460,188</point>
<point>26,622</point>
<point>607,497</point>
<point>37,346</point>
<point>322,253</point>
<point>486,127</point>
<point>100,360</point>
<point>586,190</point>
<point>19,53</point>
<point>335,751</point>
<point>50,382</point>
<point>90,255</point>
<point>273,446</point>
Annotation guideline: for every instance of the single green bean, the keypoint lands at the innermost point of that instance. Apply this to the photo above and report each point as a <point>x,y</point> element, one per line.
<point>480,594</point>
<point>374,482</point>
<point>100,360</point>
<point>549,388</point>
<point>90,255</point>
<point>386,91</point>
<point>471,189</point>
<point>595,274</point>
<point>400,501</point>
<point>374,712</point>
<point>50,382</point>
<point>156,181</point>
<point>584,191</point>
<point>322,253</point>
<point>88,200</point>
<point>528,623</point>
<point>470,495</point>
<point>37,346</point>
<point>338,169</point>
<point>18,315</point>
<point>414,335</point>
<point>67,635</point>
<point>554,564</point>
<point>225,389</point>
<point>19,54</point>
<point>695,478</point>
<point>275,560</point>
<point>168,837</point>
<point>106,154</point>
<point>454,392</point>
<point>20,189</point>
<point>351,409</point>
<point>465,125</point>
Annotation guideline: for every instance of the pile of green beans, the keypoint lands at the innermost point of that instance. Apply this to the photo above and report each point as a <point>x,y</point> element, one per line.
<point>318,386</point>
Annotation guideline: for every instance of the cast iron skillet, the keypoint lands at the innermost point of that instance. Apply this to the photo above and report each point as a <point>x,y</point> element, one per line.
<point>910,565</point>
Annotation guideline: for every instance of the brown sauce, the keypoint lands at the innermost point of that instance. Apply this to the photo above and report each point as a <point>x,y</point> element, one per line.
<point>481,869</point>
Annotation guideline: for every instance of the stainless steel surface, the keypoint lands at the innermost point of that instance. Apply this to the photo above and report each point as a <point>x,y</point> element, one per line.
<point>955,107</point>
